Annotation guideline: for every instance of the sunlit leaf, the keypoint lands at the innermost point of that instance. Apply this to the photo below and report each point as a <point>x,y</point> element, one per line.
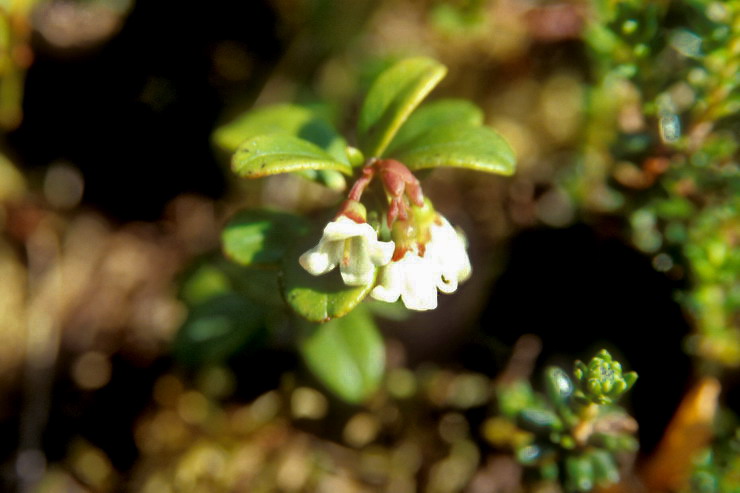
<point>287,119</point>
<point>392,98</point>
<point>217,329</point>
<point>279,153</point>
<point>317,298</point>
<point>259,237</point>
<point>435,114</point>
<point>347,355</point>
<point>477,148</point>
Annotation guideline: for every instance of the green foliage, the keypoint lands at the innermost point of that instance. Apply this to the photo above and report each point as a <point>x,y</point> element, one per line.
<point>261,237</point>
<point>301,122</point>
<point>392,98</point>
<point>718,468</point>
<point>673,171</point>
<point>477,148</point>
<point>286,119</point>
<point>443,112</point>
<point>218,328</point>
<point>575,429</point>
<point>346,354</point>
<point>287,138</point>
<point>271,154</point>
<point>345,351</point>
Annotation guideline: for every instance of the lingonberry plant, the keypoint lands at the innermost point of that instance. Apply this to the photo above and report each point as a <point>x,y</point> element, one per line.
<point>385,241</point>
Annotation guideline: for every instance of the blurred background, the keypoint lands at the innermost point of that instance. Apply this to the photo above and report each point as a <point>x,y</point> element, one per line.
<point>619,230</point>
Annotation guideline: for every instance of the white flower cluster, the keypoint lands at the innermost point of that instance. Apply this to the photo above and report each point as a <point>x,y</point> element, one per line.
<point>415,277</point>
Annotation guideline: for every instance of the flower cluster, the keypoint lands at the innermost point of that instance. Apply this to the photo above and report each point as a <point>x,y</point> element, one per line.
<point>423,252</point>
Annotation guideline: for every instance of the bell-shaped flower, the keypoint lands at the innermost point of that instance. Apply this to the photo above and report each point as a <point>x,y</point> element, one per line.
<point>440,263</point>
<point>412,278</point>
<point>446,249</point>
<point>351,245</point>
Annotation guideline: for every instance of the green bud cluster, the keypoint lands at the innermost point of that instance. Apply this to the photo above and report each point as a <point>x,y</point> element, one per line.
<point>570,429</point>
<point>602,380</point>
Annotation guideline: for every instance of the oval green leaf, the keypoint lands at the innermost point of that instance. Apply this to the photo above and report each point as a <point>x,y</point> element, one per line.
<point>392,97</point>
<point>217,329</point>
<point>317,298</point>
<point>260,237</point>
<point>265,155</point>
<point>347,355</point>
<point>287,119</point>
<point>477,148</point>
<point>435,114</point>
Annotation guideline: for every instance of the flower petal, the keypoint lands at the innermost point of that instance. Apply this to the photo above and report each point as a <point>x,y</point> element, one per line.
<point>322,258</point>
<point>344,227</point>
<point>389,287</point>
<point>357,269</point>
<point>447,249</point>
<point>419,290</point>
<point>381,252</point>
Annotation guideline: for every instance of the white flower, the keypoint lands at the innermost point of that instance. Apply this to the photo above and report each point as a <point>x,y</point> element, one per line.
<point>353,246</point>
<point>412,278</point>
<point>415,278</point>
<point>446,250</point>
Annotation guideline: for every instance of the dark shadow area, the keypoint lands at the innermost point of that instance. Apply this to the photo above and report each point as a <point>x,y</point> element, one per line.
<point>136,115</point>
<point>580,292</point>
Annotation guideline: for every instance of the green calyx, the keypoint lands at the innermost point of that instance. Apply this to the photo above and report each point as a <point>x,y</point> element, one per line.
<point>414,231</point>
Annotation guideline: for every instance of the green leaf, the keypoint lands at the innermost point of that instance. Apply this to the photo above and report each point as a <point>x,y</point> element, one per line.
<point>347,355</point>
<point>317,298</point>
<point>477,148</point>
<point>261,237</point>
<point>604,466</point>
<point>539,419</point>
<point>435,114</point>
<point>278,153</point>
<point>218,328</point>
<point>259,284</point>
<point>392,98</point>
<point>202,281</point>
<point>558,385</point>
<point>580,472</point>
<point>286,119</point>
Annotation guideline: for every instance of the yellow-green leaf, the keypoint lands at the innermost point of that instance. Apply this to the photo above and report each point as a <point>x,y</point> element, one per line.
<point>393,96</point>
<point>288,119</point>
<point>477,148</point>
<point>435,114</point>
<point>279,153</point>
